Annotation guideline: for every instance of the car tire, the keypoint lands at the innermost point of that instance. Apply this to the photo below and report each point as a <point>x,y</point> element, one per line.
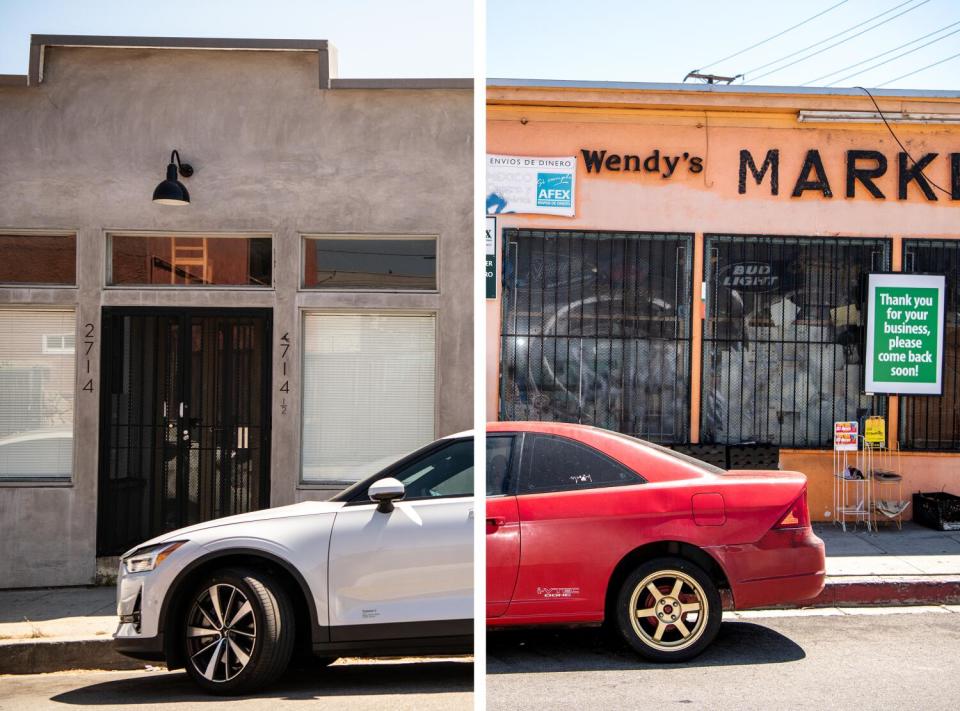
<point>684,610</point>
<point>238,631</point>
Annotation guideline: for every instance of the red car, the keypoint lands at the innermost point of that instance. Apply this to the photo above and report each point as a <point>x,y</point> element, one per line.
<point>586,525</point>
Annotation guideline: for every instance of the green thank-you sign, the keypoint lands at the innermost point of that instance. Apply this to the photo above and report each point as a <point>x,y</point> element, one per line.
<point>905,315</point>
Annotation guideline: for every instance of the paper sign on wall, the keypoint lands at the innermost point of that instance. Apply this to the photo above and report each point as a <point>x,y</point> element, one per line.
<point>490,262</point>
<point>875,430</point>
<point>905,334</point>
<point>845,436</point>
<point>530,184</point>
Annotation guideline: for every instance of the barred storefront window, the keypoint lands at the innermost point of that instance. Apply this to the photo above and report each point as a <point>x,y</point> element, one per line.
<point>930,422</point>
<point>596,330</point>
<point>783,337</point>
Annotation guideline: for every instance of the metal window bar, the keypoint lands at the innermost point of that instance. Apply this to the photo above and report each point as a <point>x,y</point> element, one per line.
<point>596,330</point>
<point>932,423</point>
<point>783,339</point>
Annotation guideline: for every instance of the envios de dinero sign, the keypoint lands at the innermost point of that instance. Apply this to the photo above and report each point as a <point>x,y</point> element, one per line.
<point>905,323</point>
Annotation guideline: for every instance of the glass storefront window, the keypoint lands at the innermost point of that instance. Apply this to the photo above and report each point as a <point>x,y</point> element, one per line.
<point>38,259</point>
<point>596,330</point>
<point>930,422</point>
<point>783,341</point>
<point>182,260</point>
<point>369,384</point>
<point>393,263</point>
<point>36,394</point>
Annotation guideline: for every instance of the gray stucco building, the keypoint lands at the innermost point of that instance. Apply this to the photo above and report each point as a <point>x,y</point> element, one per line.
<point>306,317</point>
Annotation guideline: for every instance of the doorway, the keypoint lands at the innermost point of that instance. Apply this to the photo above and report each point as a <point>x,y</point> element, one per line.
<point>185,420</point>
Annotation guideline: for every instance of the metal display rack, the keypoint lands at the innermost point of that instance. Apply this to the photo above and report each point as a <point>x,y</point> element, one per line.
<point>887,485</point>
<point>853,497</point>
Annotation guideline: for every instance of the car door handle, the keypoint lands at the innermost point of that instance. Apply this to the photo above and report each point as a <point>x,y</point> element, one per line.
<point>495,521</point>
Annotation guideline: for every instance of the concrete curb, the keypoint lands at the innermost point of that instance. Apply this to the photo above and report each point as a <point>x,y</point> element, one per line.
<point>38,656</point>
<point>892,590</point>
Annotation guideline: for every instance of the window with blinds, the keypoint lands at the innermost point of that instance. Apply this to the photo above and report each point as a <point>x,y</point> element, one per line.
<point>369,384</point>
<point>36,394</point>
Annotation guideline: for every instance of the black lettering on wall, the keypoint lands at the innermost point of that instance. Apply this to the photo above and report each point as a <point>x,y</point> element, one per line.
<point>865,175</point>
<point>613,162</point>
<point>593,160</point>
<point>914,173</point>
<point>955,176</point>
<point>696,166</point>
<point>652,162</point>
<point>631,160</point>
<point>671,166</point>
<point>819,182</point>
<point>771,163</point>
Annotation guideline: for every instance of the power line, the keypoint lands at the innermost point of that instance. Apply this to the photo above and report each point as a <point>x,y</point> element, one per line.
<point>897,138</point>
<point>921,69</point>
<point>902,54</point>
<point>831,37</point>
<point>882,54</point>
<point>773,37</point>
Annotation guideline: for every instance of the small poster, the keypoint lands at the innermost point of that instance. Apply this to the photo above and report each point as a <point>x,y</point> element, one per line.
<point>490,262</point>
<point>531,185</point>
<point>845,436</point>
<point>875,430</point>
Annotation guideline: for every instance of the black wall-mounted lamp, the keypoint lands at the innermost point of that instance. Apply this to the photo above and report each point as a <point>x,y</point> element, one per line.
<point>171,191</point>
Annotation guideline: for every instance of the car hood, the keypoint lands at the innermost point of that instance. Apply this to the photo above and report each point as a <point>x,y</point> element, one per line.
<point>304,508</point>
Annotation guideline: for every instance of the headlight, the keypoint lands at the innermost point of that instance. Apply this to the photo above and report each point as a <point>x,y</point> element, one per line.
<point>149,557</point>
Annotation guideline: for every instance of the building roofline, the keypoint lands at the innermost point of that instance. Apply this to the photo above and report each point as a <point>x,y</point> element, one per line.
<point>326,51</point>
<point>718,88</point>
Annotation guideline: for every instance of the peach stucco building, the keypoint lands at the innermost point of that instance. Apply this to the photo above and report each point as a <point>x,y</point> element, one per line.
<point>709,286</point>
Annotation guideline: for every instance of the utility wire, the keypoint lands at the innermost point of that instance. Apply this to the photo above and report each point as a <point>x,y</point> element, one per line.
<point>831,37</point>
<point>882,54</point>
<point>921,69</point>
<point>897,138</point>
<point>887,61</point>
<point>773,37</point>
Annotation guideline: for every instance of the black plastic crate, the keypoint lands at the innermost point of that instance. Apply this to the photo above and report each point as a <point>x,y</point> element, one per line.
<point>937,510</point>
<point>753,456</point>
<point>715,454</point>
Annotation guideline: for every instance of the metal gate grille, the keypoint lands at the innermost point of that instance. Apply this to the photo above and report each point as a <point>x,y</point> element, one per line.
<point>783,340</point>
<point>596,330</point>
<point>930,422</point>
<point>185,422</point>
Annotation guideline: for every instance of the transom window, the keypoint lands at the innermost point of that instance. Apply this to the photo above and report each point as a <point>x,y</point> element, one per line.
<point>370,262</point>
<point>38,259</point>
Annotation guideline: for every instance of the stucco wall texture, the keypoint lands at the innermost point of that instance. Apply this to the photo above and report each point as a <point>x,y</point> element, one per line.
<point>273,154</point>
<point>561,121</point>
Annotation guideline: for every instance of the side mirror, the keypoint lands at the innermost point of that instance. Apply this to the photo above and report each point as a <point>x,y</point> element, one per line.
<point>385,492</point>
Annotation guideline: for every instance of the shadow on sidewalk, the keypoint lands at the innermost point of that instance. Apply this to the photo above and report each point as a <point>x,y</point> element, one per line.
<point>157,688</point>
<point>592,649</point>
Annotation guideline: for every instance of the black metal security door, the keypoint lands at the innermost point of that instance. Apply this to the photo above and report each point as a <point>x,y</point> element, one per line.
<point>185,420</point>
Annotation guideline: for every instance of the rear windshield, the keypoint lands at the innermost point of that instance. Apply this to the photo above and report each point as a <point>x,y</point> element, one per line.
<point>686,458</point>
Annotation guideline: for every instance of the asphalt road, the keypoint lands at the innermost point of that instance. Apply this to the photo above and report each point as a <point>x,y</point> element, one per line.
<point>377,685</point>
<point>862,660</point>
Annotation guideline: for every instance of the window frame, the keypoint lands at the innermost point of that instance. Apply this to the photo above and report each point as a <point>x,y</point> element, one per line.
<point>306,312</point>
<point>108,260</point>
<point>513,464</point>
<point>526,466</point>
<point>46,284</point>
<point>67,481</point>
<point>305,238</point>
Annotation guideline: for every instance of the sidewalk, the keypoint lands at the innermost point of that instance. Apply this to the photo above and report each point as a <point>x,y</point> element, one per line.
<point>70,628</point>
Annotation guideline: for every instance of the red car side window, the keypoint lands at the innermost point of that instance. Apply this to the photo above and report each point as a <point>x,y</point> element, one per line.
<point>560,464</point>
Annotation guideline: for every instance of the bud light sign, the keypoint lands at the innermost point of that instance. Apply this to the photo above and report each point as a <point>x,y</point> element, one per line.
<point>756,277</point>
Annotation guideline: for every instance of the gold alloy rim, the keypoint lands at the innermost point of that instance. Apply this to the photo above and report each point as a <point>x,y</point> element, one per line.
<point>221,632</point>
<point>669,610</point>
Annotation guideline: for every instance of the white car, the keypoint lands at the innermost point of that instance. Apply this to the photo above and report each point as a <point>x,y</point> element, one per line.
<point>384,568</point>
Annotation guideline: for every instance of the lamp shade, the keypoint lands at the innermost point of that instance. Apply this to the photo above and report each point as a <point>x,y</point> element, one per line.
<point>171,191</point>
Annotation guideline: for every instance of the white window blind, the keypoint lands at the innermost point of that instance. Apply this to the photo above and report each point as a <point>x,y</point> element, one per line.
<point>36,394</point>
<point>368,392</point>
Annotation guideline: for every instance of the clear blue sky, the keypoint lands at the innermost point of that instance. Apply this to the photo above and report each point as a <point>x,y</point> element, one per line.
<point>661,40</point>
<point>376,38</point>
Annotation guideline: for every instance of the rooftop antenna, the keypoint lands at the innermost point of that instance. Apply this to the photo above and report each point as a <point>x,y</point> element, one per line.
<point>710,78</point>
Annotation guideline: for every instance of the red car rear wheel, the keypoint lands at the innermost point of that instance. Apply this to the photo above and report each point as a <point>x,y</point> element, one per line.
<point>668,610</point>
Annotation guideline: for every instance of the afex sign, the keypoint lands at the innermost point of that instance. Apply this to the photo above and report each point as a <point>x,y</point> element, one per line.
<point>905,323</point>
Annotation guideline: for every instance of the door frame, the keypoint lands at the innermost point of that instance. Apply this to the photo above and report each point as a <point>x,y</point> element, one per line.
<point>183,313</point>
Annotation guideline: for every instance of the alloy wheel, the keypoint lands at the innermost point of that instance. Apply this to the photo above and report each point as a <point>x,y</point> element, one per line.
<point>669,610</point>
<point>221,632</point>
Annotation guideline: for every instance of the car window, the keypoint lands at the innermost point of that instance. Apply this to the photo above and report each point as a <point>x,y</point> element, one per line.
<point>447,471</point>
<point>560,464</point>
<point>499,467</point>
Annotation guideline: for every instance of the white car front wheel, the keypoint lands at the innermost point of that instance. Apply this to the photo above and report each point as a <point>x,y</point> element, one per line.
<point>238,631</point>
